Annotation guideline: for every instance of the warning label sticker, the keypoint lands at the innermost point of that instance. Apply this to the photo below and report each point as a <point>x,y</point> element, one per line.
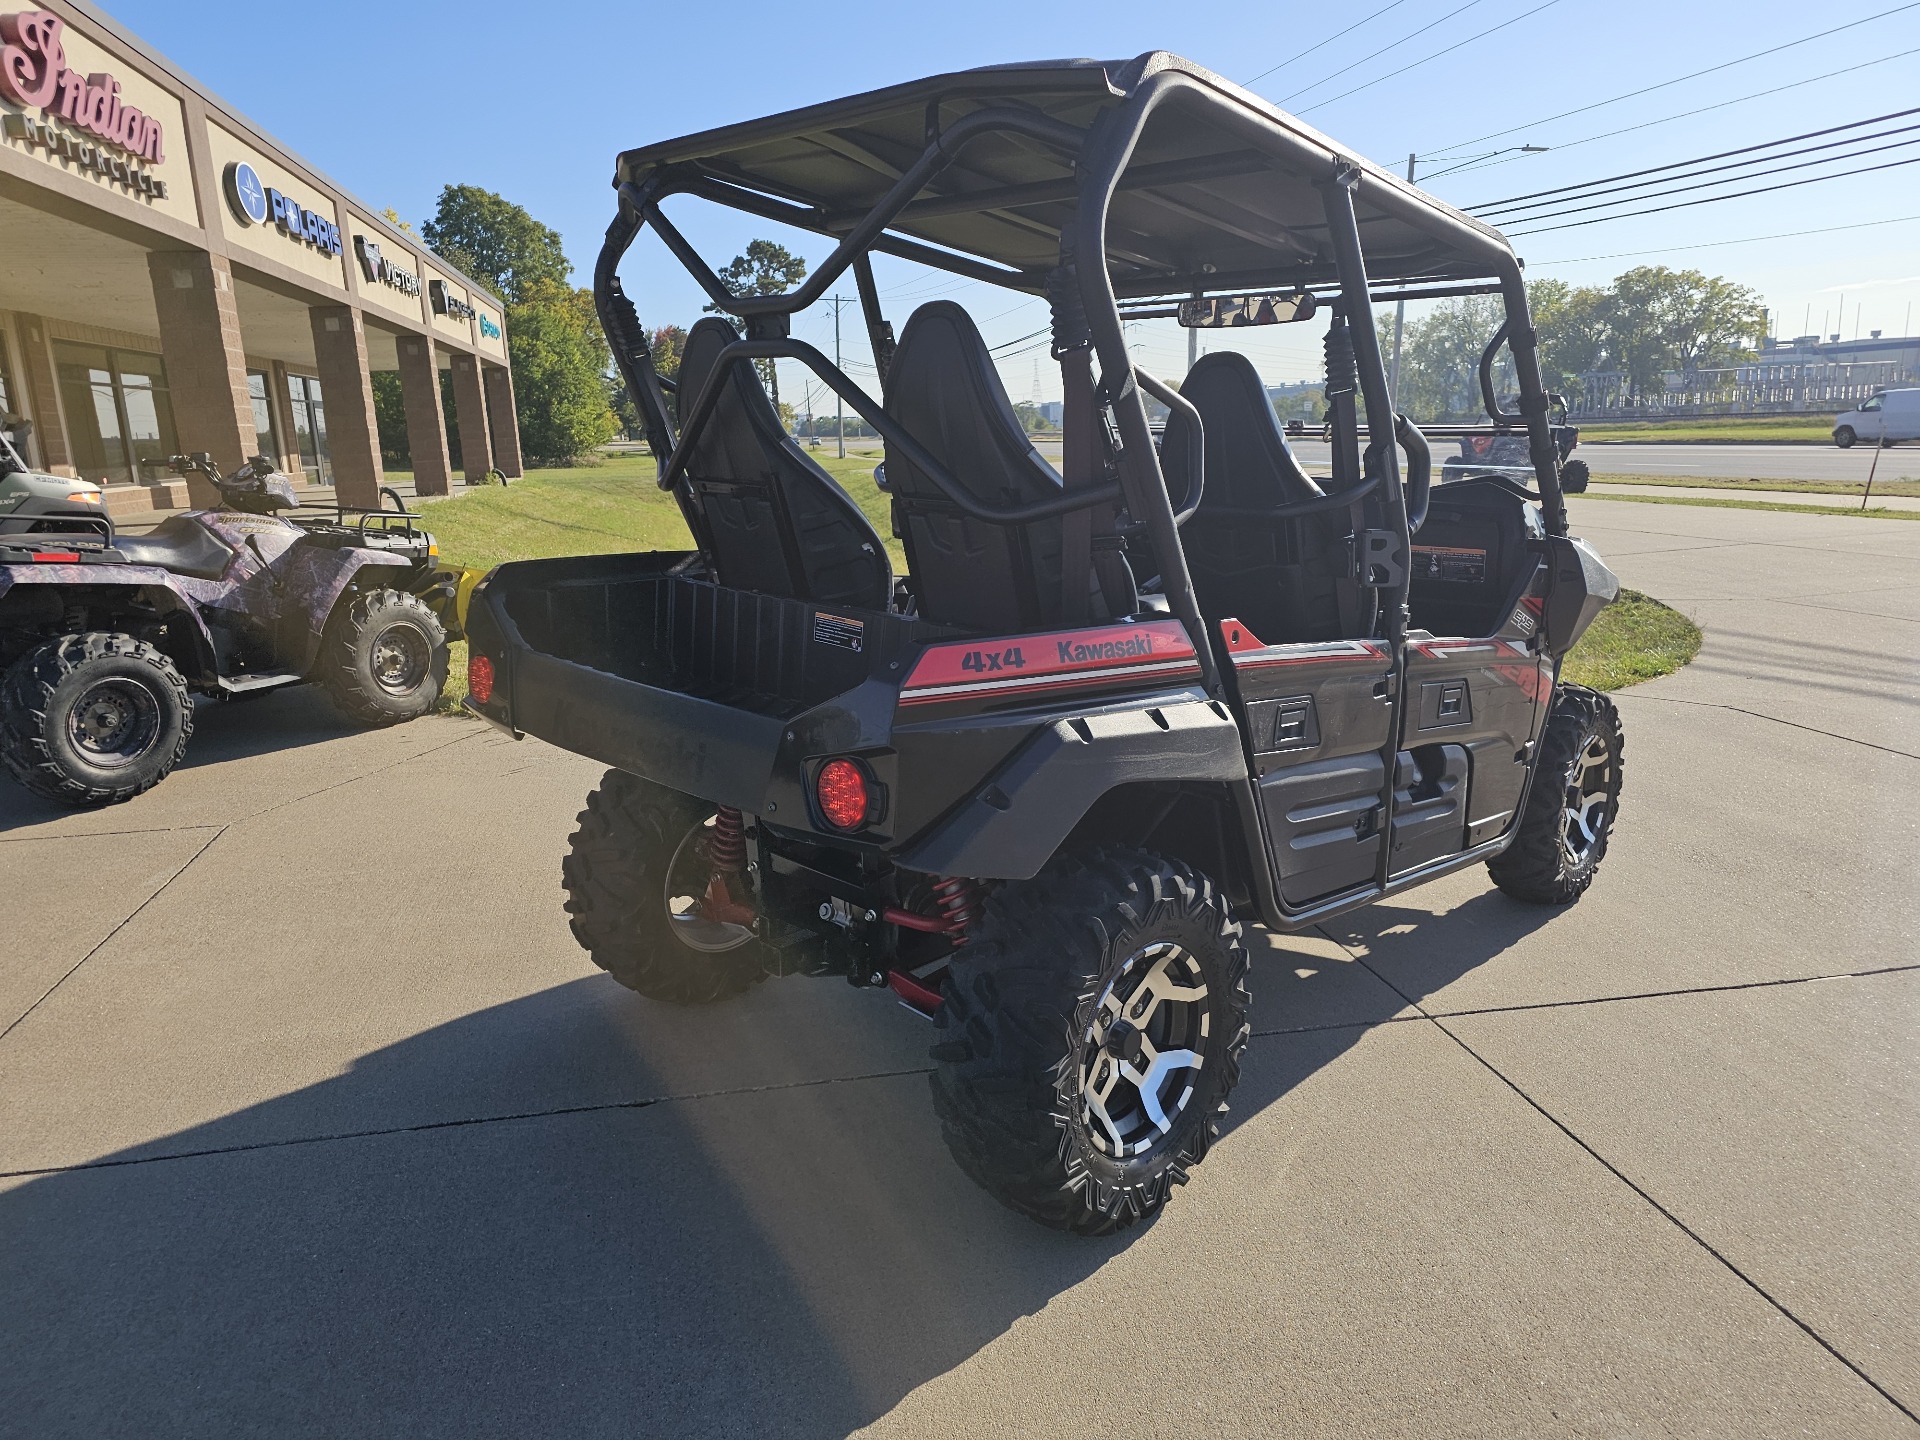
<point>1459,564</point>
<point>838,630</point>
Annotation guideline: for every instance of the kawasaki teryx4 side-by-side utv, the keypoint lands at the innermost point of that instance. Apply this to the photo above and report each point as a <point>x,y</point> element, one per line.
<point>103,637</point>
<point>1036,784</point>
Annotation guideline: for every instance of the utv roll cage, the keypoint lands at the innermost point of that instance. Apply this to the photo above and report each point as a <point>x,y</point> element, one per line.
<point>1017,176</point>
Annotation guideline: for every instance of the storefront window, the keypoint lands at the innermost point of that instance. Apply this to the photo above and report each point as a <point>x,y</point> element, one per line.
<point>310,427</point>
<point>119,416</point>
<point>266,434</point>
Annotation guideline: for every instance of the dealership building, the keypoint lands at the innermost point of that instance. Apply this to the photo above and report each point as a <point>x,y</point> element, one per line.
<point>175,280</point>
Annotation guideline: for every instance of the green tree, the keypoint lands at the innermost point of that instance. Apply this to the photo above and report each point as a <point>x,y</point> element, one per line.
<point>560,365</point>
<point>1571,322</point>
<point>496,242</point>
<point>1658,319</point>
<point>390,414</point>
<point>1440,357</point>
<point>765,269</point>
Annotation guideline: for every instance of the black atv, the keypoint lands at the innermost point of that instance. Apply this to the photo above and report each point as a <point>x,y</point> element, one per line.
<point>103,637</point>
<point>1503,447</point>
<point>1036,785</point>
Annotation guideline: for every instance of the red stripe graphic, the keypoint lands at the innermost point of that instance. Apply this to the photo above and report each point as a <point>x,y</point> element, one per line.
<point>1022,664</point>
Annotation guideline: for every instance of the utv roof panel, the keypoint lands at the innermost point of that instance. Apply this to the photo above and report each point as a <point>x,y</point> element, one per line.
<point>1220,190</point>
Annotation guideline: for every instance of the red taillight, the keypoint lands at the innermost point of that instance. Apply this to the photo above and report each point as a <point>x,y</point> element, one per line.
<point>55,556</point>
<point>480,678</point>
<point>841,788</point>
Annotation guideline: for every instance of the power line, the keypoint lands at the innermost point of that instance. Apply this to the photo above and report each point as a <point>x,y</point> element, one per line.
<point>1716,244</point>
<point>1487,162</point>
<point>1320,104</point>
<point>1713,199</point>
<point>1293,59</point>
<point>1383,50</point>
<point>1682,79</point>
<point>1555,214</point>
<point>1513,200</point>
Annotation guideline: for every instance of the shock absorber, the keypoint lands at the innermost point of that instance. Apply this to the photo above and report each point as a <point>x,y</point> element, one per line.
<point>959,902</point>
<point>727,850</point>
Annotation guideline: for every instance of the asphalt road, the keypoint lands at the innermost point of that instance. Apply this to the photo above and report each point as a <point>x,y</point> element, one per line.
<point>313,1121</point>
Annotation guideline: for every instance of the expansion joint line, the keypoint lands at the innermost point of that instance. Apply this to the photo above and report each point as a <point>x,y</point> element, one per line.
<point>1620,1175</point>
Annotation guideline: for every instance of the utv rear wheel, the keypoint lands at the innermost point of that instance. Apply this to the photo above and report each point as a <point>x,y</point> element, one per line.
<point>385,657</point>
<point>1570,810</point>
<point>1574,476</point>
<point>639,877</point>
<point>93,719</point>
<point>1090,1034</point>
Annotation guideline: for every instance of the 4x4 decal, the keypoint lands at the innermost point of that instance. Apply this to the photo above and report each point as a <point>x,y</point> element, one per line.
<point>1062,659</point>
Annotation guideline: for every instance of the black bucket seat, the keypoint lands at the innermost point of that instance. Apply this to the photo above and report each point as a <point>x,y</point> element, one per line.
<point>776,522</point>
<point>943,389</point>
<point>179,544</point>
<point>1286,580</point>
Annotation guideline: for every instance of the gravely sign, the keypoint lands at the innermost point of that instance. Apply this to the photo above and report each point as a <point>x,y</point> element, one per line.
<point>34,74</point>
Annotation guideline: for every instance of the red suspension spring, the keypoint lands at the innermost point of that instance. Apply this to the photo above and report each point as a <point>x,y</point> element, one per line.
<point>959,902</point>
<point>727,850</point>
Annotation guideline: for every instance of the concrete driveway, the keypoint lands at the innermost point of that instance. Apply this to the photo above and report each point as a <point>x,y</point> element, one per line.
<point>315,1122</point>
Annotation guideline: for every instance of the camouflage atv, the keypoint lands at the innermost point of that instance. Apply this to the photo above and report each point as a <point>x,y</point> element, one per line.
<point>104,638</point>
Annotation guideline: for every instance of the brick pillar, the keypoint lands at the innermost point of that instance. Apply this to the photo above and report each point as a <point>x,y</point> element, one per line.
<point>43,396</point>
<point>206,364</point>
<point>426,422</point>
<point>504,421</point>
<point>353,433</point>
<point>470,410</point>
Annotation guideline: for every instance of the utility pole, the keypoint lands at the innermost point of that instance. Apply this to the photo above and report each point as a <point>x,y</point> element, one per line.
<point>1399,322</point>
<point>840,405</point>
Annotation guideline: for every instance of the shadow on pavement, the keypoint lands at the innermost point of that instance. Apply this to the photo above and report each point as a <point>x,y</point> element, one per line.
<point>222,731</point>
<point>790,1260</point>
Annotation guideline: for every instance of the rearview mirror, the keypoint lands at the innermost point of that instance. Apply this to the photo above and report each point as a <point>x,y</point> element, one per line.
<point>1227,312</point>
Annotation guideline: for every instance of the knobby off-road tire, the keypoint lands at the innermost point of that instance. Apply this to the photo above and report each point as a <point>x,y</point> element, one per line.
<point>93,719</point>
<point>384,659</point>
<point>639,842</point>
<point>1574,476</point>
<point>1570,810</point>
<point>1028,1021</point>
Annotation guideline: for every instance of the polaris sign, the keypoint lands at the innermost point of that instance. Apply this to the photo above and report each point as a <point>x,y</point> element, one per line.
<point>257,204</point>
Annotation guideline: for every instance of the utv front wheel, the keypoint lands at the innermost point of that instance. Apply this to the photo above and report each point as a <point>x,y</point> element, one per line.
<point>384,658</point>
<point>1090,1034</point>
<point>1574,476</point>
<point>93,719</point>
<point>1570,810</point>
<point>642,894</point>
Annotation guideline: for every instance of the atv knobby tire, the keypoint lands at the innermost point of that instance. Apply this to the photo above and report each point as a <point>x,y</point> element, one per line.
<point>1025,1027</point>
<point>616,876</point>
<point>1570,810</point>
<point>1574,477</point>
<point>384,659</point>
<point>93,719</point>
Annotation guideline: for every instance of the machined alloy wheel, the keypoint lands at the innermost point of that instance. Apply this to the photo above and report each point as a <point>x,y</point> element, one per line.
<point>1142,1056</point>
<point>1090,1032</point>
<point>1562,835</point>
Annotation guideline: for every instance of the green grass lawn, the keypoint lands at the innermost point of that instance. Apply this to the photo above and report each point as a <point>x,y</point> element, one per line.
<point>1888,480</point>
<point>616,506</point>
<point>1636,638</point>
<point>1771,427</point>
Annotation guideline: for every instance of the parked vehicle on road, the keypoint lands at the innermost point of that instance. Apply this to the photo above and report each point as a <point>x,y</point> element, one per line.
<point>104,637</point>
<point>1886,419</point>
<point>1037,784</point>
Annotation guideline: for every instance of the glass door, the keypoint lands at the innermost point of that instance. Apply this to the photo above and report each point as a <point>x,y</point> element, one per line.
<point>119,414</point>
<point>266,434</point>
<point>310,427</point>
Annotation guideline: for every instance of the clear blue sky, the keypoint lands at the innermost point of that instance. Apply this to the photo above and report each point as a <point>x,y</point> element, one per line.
<point>534,101</point>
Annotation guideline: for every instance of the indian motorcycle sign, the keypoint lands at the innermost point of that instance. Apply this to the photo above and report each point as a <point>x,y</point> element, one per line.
<point>34,75</point>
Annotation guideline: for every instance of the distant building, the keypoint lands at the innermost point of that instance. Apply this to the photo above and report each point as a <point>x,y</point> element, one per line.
<point>1806,375</point>
<point>1053,412</point>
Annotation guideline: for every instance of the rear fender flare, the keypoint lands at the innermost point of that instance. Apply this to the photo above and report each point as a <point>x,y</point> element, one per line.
<point>1014,822</point>
<point>189,643</point>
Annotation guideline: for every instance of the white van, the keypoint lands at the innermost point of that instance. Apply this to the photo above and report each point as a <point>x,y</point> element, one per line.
<point>1892,413</point>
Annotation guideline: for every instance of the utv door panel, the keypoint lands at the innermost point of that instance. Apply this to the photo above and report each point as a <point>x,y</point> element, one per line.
<point>1429,805</point>
<point>1482,699</point>
<point>1318,717</point>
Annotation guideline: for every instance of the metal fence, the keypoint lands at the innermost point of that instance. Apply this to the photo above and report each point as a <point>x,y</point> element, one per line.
<point>1814,387</point>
